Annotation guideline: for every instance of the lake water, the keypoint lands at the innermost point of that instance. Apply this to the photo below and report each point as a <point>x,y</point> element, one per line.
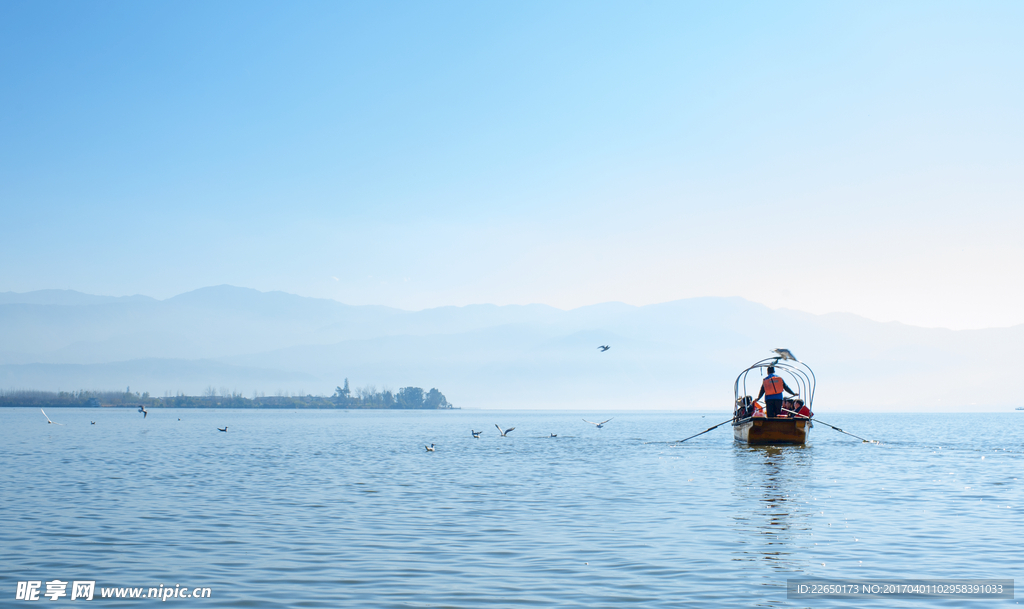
<point>347,509</point>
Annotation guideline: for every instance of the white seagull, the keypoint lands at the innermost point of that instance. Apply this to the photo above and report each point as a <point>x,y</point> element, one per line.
<point>476,434</point>
<point>430,448</point>
<point>48,421</point>
<point>142,409</point>
<point>785,354</point>
<point>599,425</point>
<point>503,433</point>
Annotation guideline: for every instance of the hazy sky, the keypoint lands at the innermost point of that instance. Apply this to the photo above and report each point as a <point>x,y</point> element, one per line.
<point>821,156</point>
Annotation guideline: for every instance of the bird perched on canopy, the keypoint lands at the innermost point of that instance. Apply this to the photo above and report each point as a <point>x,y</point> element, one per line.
<point>784,354</point>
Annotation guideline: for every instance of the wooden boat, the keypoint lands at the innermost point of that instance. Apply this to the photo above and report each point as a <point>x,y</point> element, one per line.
<point>750,425</point>
<point>774,430</point>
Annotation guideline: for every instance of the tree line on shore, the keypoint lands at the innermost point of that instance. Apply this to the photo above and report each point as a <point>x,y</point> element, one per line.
<point>363,398</point>
<point>406,398</point>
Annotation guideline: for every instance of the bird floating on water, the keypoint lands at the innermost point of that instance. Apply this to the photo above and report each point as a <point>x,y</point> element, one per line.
<point>142,409</point>
<point>604,348</point>
<point>503,433</point>
<point>430,448</point>
<point>554,435</point>
<point>785,354</point>
<point>92,422</point>
<point>599,425</point>
<point>48,421</point>
<point>225,428</point>
<point>476,434</point>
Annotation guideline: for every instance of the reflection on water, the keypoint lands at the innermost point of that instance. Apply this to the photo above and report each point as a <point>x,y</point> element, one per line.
<point>770,478</point>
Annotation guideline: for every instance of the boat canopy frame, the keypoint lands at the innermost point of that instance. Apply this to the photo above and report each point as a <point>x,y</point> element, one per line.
<point>796,371</point>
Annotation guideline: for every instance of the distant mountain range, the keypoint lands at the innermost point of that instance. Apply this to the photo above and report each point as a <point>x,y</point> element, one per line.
<point>681,355</point>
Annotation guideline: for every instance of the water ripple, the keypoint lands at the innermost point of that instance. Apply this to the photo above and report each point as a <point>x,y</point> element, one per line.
<point>331,508</point>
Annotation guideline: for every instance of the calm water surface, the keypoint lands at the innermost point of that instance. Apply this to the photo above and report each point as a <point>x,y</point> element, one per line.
<point>337,509</point>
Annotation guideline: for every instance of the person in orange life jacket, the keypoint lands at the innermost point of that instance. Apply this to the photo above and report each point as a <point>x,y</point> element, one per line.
<point>771,388</point>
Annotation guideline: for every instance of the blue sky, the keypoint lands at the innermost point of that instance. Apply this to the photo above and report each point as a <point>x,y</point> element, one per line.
<point>818,156</point>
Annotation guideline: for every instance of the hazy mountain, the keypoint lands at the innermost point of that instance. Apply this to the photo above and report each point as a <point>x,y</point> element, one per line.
<point>147,374</point>
<point>216,322</point>
<point>683,354</point>
<point>64,297</point>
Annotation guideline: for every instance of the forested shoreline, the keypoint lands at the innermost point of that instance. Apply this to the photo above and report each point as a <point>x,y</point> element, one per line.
<point>406,398</point>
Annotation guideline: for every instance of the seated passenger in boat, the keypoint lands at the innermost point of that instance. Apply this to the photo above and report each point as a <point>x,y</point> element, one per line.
<point>771,388</point>
<point>801,411</point>
<point>743,406</point>
<point>746,407</point>
<point>787,407</point>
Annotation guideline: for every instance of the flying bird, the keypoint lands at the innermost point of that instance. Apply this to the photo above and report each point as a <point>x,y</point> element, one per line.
<point>430,448</point>
<point>554,435</point>
<point>785,354</point>
<point>599,425</point>
<point>225,428</point>
<point>92,422</point>
<point>476,434</point>
<point>503,433</point>
<point>49,422</point>
<point>604,348</point>
<point>142,409</point>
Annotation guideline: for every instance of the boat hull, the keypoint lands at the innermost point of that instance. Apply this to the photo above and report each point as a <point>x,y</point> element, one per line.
<point>764,430</point>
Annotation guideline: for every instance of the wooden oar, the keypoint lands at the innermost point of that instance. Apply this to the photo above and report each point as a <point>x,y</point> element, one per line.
<point>834,427</point>
<point>705,431</point>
